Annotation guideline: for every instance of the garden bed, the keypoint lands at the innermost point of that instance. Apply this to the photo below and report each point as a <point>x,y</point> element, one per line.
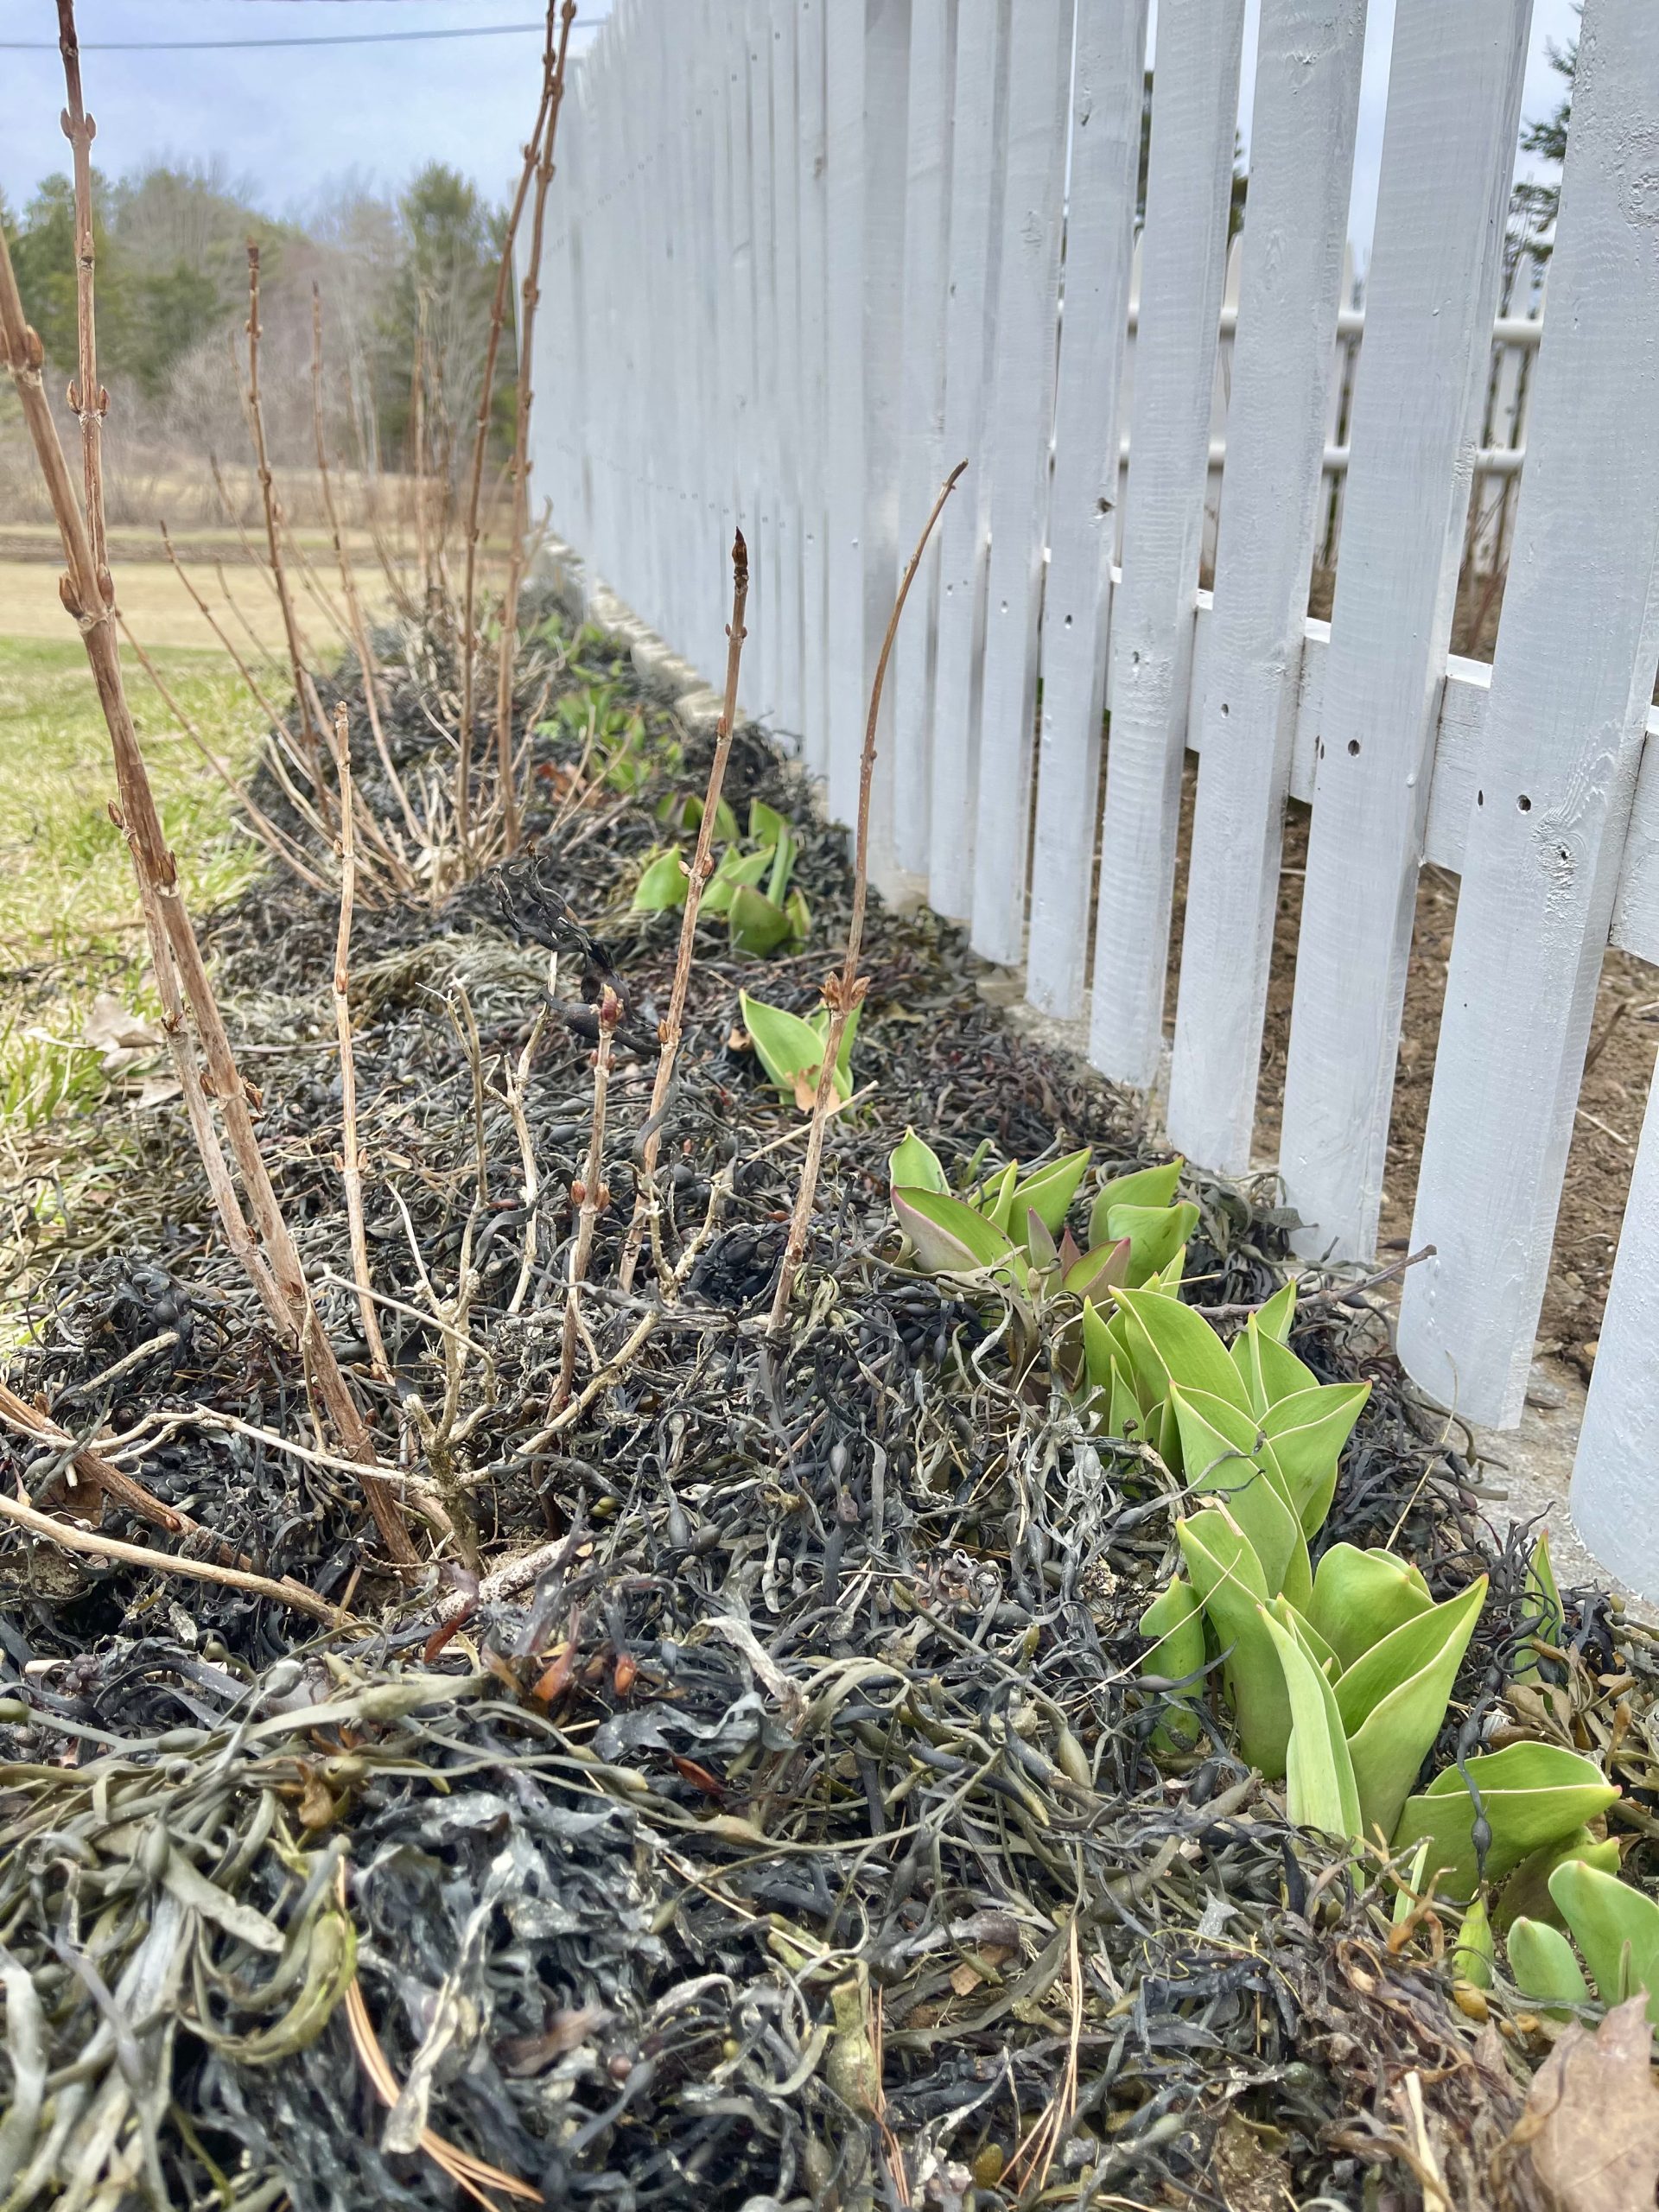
<point>760,1805</point>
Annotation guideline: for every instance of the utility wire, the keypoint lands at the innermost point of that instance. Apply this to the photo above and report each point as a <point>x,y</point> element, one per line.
<point>329,38</point>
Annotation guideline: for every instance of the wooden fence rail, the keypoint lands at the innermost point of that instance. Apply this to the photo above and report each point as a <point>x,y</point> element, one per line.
<point>805,258</point>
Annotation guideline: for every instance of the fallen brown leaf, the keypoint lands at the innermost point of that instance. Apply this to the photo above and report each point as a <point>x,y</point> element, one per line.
<point>1591,2128</point>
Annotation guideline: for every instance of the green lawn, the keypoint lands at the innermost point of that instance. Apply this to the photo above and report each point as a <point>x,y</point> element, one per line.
<point>69,924</point>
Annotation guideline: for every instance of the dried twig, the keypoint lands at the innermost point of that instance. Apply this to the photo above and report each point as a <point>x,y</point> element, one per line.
<point>351,1165</point>
<point>843,992</point>
<point>531,293</point>
<point>347,580</point>
<point>480,440</point>
<point>309,735</point>
<point>276,841</point>
<point>590,1195</point>
<point>93,1545</point>
<point>645,1206</point>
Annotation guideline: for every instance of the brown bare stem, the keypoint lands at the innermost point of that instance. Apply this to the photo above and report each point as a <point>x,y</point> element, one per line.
<point>481,440</point>
<point>269,1257</point>
<point>347,578</point>
<point>645,1205</point>
<point>276,841</point>
<point>592,1196</point>
<point>93,1545</point>
<point>86,396</point>
<point>843,992</point>
<point>209,617</point>
<point>309,735</point>
<point>351,1167</point>
<point>531,294</point>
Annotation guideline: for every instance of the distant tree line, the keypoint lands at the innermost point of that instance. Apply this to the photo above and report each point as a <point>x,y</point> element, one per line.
<point>405,281</point>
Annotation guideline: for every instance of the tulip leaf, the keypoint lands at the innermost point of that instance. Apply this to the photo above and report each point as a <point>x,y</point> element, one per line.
<point>1050,1190</point>
<point>1307,1430</point>
<point>766,825</point>
<point>792,1050</point>
<point>915,1165</point>
<point>1044,1253</point>
<point>756,925</point>
<point>1543,1601</point>
<point>1098,1271</point>
<point>1533,1795</point>
<point>735,870</point>
<point>1616,1927</point>
<point>661,888</point>
<point>950,1237</point>
<point>1174,1624</point>
<point>1218,1445</point>
<point>1125,1418</point>
<point>1320,1791</point>
<point>1270,1370</point>
<point>1275,1318</point>
<point>1169,1343</point>
<point>994,1199</point>
<point>1155,1234</point>
<point>1543,1968</point>
<point>1227,1575</point>
<point>1474,1955</point>
<point>1392,1700</point>
<point>1146,1186</point>
<point>1361,1597</point>
<point>1526,1894</point>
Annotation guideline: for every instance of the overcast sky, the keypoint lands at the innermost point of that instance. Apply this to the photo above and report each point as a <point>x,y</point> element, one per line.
<point>287,121</point>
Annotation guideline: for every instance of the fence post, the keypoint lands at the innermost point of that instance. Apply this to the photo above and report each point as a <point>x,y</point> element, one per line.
<point>1022,414</point>
<point>765,551</point>
<point>1106,103</point>
<point>812,199</point>
<point>1572,679</point>
<point>1184,252</point>
<point>921,449</point>
<point>866,97</point>
<point>1454,93</point>
<point>785,185</point>
<point>980,117</point>
<point>1283,363</point>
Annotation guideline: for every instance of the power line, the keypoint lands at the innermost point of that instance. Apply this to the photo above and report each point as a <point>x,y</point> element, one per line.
<point>329,38</point>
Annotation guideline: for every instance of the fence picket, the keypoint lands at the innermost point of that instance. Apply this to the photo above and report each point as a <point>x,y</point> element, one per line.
<point>980,120</point>
<point>921,454</point>
<point>1022,407</point>
<point>764,552</point>
<point>1572,679</point>
<point>1454,94</point>
<point>1189,187</point>
<point>1106,101</point>
<point>786,278</point>
<point>1283,360</point>
<point>810,179</point>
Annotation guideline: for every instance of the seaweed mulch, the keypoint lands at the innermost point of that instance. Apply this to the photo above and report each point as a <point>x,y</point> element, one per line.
<point>756,1806</point>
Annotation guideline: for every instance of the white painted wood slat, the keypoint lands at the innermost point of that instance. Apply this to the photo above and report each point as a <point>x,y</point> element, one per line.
<point>845,460</point>
<point>1454,103</point>
<point>1283,362</point>
<point>781,18</point>
<point>1022,413</point>
<point>764,552</point>
<point>810,213</point>
<point>921,430</point>
<point>981,114</point>
<point>1189,185</point>
<point>1106,103</point>
<point>1572,679</point>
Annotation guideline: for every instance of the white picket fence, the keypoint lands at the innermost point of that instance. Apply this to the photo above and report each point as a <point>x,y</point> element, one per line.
<point>806,255</point>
